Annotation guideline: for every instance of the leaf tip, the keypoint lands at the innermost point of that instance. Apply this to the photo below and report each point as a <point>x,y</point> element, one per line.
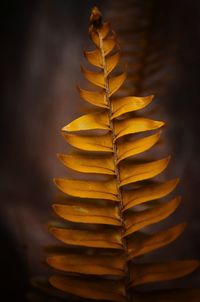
<point>65,128</point>
<point>178,200</point>
<point>59,156</point>
<point>183,226</point>
<point>56,181</point>
<point>54,207</point>
<point>195,264</point>
<point>161,123</point>
<point>48,260</point>
<point>169,157</point>
<point>82,68</point>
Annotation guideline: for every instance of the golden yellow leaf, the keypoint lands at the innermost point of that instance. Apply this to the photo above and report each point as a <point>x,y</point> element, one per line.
<point>135,221</point>
<point>140,245</point>
<point>101,143</point>
<point>136,172</point>
<point>88,189</point>
<point>137,146</point>
<point>89,164</point>
<point>88,212</point>
<point>135,125</point>
<point>147,193</point>
<point>89,264</point>
<point>93,97</point>
<point>116,82</point>
<point>95,38</point>
<point>102,31</point>
<point>94,57</point>
<point>111,62</point>
<point>90,288</point>
<point>108,45</point>
<point>156,272</point>
<point>128,104</point>
<point>91,121</point>
<point>89,238</point>
<point>96,78</point>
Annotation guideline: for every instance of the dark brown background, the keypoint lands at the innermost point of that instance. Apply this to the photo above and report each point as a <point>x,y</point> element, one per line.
<point>41,50</point>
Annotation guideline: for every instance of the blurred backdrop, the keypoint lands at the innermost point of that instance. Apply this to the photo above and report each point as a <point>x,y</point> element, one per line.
<point>41,52</point>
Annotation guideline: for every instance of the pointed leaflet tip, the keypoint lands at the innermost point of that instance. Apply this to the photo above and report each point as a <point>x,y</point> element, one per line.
<point>151,97</point>
<point>183,225</point>
<point>168,158</point>
<point>55,180</point>
<point>161,123</point>
<point>60,156</point>
<point>65,128</point>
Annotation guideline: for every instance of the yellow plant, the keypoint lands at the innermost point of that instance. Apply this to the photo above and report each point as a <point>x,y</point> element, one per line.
<point>107,214</point>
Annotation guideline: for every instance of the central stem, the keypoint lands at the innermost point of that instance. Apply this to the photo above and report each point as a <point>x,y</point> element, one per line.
<point>115,157</point>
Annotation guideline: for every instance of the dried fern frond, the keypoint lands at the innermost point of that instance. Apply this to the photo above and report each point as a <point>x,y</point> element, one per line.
<point>104,223</point>
<point>146,45</point>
